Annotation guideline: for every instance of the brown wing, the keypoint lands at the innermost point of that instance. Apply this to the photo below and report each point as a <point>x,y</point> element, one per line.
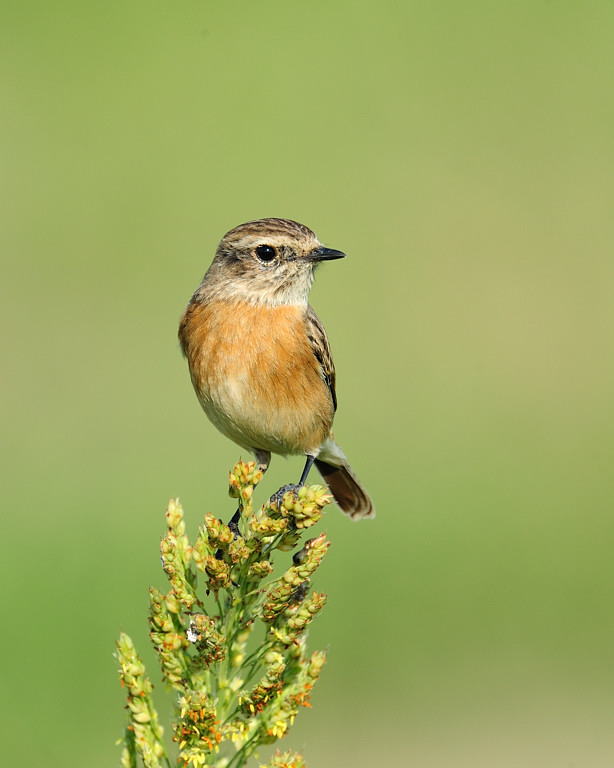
<point>321,350</point>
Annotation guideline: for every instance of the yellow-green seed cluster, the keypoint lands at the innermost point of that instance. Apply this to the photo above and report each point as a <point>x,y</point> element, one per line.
<point>168,637</point>
<point>303,507</point>
<point>196,731</point>
<point>285,760</point>
<point>143,735</point>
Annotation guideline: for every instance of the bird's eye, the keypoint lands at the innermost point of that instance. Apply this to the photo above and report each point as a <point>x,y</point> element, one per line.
<point>266,253</point>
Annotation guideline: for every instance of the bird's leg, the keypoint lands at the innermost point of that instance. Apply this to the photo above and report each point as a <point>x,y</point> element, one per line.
<point>279,495</point>
<point>263,458</point>
<point>308,466</point>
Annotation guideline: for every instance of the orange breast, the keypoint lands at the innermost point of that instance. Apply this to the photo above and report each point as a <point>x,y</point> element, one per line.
<point>256,376</point>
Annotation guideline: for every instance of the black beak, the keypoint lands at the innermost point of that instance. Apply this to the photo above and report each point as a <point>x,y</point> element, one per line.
<point>325,254</point>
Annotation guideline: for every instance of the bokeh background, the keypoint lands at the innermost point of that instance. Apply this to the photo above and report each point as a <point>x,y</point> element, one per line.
<point>462,155</point>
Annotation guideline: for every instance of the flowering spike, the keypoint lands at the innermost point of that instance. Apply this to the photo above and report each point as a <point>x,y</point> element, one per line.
<point>233,695</point>
<point>144,731</point>
<point>285,760</point>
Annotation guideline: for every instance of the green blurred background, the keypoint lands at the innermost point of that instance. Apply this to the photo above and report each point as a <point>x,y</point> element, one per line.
<point>462,155</point>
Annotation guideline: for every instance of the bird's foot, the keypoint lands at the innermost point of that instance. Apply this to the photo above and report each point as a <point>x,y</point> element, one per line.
<point>278,496</point>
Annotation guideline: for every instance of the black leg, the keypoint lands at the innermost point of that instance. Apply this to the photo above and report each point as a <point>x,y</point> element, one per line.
<point>308,466</point>
<point>263,458</point>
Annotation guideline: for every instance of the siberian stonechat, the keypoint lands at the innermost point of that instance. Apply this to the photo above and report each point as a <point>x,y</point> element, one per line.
<point>259,356</point>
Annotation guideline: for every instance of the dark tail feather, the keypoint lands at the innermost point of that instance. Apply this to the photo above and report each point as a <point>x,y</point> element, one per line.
<point>348,492</point>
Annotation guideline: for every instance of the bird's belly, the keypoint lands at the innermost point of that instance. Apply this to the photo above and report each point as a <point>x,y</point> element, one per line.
<point>257,378</point>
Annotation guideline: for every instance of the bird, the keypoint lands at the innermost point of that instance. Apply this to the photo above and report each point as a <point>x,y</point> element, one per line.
<point>259,357</point>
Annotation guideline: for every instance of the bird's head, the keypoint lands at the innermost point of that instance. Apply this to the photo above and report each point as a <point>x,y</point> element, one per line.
<point>268,261</point>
